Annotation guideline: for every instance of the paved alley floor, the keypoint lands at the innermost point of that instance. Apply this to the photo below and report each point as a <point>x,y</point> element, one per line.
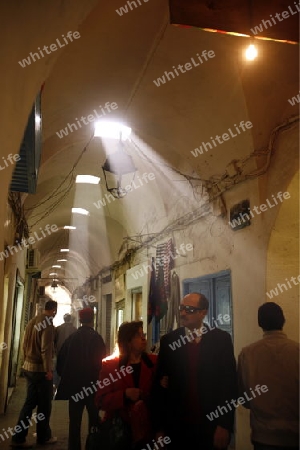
<point>59,420</point>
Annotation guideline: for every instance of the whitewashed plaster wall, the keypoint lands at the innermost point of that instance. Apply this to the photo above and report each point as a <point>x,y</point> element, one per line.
<point>24,27</point>
<point>105,289</point>
<point>10,266</point>
<point>283,260</point>
<point>247,254</point>
<point>141,282</point>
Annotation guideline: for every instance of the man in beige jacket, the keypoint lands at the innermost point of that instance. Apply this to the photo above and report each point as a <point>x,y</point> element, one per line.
<point>272,361</point>
<point>38,350</point>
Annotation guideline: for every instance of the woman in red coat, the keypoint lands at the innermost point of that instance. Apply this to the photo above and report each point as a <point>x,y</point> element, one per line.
<point>126,381</point>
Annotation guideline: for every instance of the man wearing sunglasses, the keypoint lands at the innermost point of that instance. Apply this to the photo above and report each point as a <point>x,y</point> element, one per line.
<point>201,371</point>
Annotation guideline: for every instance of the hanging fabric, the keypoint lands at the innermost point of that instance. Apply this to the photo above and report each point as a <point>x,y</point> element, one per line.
<point>173,304</point>
<point>165,259</point>
<point>161,298</point>
<point>152,292</point>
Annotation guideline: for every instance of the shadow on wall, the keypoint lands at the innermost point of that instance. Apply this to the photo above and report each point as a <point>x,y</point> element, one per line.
<point>283,259</point>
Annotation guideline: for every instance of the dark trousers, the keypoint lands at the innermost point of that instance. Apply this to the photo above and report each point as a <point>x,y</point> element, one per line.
<point>191,437</point>
<point>258,446</point>
<point>39,393</point>
<point>75,416</point>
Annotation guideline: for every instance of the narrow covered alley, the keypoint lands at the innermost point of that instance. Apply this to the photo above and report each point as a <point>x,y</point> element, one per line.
<point>150,150</point>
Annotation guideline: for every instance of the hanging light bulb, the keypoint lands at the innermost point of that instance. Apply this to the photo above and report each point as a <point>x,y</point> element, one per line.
<point>251,52</point>
<point>54,285</point>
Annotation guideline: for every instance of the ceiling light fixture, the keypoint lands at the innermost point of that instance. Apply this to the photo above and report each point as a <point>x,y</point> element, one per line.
<point>53,274</point>
<point>88,179</point>
<point>62,260</point>
<point>55,266</point>
<point>54,285</point>
<point>64,250</point>
<point>82,211</point>
<point>69,227</point>
<point>112,130</point>
<point>116,166</point>
<point>251,52</point>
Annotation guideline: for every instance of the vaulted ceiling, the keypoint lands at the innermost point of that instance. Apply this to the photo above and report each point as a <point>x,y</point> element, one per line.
<point>116,60</point>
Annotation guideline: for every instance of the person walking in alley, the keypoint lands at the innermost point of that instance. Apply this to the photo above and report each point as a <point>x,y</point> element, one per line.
<point>127,394</point>
<point>62,332</point>
<point>200,367</point>
<point>272,361</point>
<point>38,350</point>
<point>78,363</point>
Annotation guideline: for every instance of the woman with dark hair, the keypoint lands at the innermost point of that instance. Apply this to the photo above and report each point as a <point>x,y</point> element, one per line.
<point>126,381</point>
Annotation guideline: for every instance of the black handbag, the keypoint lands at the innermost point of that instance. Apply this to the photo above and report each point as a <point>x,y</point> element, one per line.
<point>111,434</point>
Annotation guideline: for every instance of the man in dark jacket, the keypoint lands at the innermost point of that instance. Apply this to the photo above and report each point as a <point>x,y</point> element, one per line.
<point>201,371</point>
<point>78,363</point>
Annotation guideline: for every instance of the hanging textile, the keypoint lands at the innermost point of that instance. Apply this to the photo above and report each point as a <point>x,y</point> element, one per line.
<point>173,303</point>
<point>153,304</point>
<point>165,259</point>
<point>161,303</point>
<point>159,290</point>
<point>152,293</point>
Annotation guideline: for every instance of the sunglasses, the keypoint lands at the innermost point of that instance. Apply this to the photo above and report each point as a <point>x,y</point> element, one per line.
<point>189,309</point>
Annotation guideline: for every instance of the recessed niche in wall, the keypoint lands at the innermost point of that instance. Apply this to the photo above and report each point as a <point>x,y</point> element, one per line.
<point>240,215</point>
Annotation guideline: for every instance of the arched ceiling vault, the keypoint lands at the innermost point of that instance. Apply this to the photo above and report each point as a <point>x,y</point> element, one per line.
<point>117,60</point>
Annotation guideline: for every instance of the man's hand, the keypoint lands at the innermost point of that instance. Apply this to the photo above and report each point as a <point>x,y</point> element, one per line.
<point>133,394</point>
<point>221,438</point>
<point>159,434</point>
<point>164,382</point>
<point>49,376</point>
